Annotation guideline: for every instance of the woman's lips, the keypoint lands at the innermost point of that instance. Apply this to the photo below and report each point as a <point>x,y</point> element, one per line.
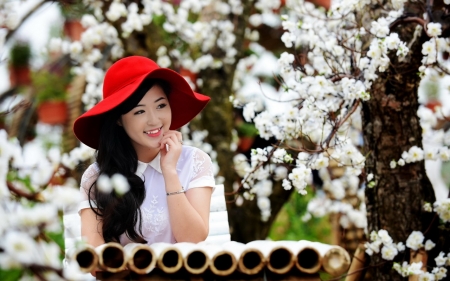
<point>154,133</point>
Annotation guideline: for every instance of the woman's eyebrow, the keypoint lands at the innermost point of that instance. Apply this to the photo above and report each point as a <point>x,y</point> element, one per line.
<point>161,98</point>
<point>157,100</point>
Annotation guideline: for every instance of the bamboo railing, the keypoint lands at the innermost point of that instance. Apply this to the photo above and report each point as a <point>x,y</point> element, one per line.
<point>221,260</point>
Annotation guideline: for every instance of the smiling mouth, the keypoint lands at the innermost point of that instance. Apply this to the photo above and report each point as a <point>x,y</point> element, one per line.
<point>153,132</point>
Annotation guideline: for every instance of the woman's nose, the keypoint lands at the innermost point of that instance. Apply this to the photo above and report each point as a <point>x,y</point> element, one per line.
<point>151,117</point>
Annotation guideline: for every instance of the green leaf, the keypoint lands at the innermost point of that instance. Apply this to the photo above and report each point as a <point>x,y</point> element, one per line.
<point>10,274</point>
<point>57,237</point>
<point>247,129</point>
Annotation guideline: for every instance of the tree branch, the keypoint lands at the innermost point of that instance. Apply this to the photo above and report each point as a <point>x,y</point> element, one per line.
<point>253,171</point>
<point>12,188</point>
<point>36,7</point>
<point>408,19</point>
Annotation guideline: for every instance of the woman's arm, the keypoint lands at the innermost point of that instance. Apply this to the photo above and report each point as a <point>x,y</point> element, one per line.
<point>188,212</point>
<point>91,230</point>
<point>91,227</point>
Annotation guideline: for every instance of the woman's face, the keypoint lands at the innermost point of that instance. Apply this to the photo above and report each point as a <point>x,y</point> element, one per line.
<point>146,123</point>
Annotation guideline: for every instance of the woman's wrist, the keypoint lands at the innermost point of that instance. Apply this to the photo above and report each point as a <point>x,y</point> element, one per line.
<point>176,192</point>
<point>173,185</point>
<point>169,173</point>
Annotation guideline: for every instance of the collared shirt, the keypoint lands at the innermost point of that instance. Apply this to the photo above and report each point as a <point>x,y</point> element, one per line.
<point>194,169</point>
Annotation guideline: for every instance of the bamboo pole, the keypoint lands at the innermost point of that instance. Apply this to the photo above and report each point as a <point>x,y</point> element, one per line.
<point>195,259</point>
<point>307,258</point>
<point>169,258</point>
<point>223,262</point>
<point>111,257</point>
<point>86,258</point>
<point>140,258</point>
<point>355,271</point>
<point>250,261</point>
<point>335,259</point>
<point>279,259</point>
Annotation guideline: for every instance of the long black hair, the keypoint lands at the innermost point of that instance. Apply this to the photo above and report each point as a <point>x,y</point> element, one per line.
<point>115,154</point>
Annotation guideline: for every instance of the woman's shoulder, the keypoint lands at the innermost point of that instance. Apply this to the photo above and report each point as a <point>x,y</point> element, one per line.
<point>93,167</point>
<point>200,165</point>
<point>90,174</point>
<point>192,152</point>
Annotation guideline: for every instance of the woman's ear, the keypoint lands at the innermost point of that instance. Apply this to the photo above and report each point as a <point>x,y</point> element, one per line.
<point>119,122</point>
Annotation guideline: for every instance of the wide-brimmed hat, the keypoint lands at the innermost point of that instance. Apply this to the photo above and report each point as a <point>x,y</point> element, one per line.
<point>122,79</point>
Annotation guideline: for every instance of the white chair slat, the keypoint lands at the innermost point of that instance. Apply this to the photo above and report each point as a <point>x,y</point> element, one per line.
<point>218,239</point>
<point>218,204</point>
<point>219,227</point>
<point>219,191</point>
<point>218,216</point>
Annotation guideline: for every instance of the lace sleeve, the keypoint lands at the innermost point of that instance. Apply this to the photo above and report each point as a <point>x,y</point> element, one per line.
<point>202,174</point>
<point>88,178</point>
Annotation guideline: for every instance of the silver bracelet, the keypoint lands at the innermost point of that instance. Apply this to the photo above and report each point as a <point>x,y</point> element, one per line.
<point>176,192</point>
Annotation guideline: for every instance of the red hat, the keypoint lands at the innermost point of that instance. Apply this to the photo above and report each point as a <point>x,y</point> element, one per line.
<point>122,79</point>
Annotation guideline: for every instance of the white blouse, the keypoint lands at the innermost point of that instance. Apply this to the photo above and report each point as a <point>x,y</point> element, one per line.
<point>194,169</point>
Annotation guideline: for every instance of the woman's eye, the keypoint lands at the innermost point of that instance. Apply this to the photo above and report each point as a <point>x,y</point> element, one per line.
<point>161,106</point>
<point>138,112</point>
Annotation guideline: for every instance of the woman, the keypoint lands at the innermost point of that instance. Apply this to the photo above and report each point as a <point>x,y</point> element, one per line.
<point>134,132</point>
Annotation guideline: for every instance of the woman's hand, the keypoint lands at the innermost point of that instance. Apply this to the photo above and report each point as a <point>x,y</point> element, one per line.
<point>169,157</point>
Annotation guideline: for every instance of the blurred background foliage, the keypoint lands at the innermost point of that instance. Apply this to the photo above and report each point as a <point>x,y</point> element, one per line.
<point>289,225</point>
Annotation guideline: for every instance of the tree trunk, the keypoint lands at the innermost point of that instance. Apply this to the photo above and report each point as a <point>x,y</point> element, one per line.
<point>391,126</point>
<point>246,223</point>
<point>217,118</point>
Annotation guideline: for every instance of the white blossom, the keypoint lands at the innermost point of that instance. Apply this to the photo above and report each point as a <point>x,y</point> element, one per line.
<point>427,207</point>
<point>415,240</point>
<point>388,252</point>
<point>440,273</point>
<point>415,268</point>
<point>120,184</point>
<point>88,20</point>
<point>400,246</point>
<point>164,61</point>
<point>441,259</point>
<point>20,246</point>
<point>434,29</point>
<point>62,197</point>
<point>104,184</point>
<point>116,10</point>
<point>393,164</point>
<point>263,203</point>
<point>442,208</point>
<point>380,28</point>
<point>426,276</point>
<point>278,155</point>
<point>429,245</point>
<point>287,184</point>
<point>383,235</point>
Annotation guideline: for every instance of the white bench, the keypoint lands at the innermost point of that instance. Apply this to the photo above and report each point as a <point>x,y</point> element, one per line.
<point>219,231</point>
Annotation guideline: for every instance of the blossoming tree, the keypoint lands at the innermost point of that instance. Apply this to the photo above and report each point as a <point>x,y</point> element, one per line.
<point>354,69</point>
<point>368,58</point>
